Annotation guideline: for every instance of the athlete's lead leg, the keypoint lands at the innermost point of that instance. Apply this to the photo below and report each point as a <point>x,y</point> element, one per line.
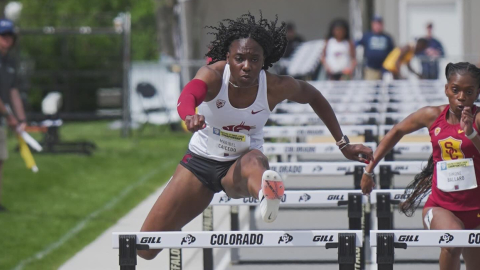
<point>250,176</point>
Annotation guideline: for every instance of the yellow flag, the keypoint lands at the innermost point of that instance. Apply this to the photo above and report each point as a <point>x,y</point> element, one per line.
<point>26,154</point>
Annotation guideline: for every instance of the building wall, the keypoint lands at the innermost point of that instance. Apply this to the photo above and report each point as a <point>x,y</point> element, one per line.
<point>472,32</point>
<point>311,17</point>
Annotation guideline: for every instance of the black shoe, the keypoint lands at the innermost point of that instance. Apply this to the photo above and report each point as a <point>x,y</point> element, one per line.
<point>2,208</point>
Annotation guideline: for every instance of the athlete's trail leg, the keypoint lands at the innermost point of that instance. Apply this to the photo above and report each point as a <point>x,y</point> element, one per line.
<point>184,198</point>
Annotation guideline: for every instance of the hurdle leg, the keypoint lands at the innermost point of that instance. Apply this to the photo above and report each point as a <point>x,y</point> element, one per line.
<point>175,259</point>
<point>347,253</point>
<point>208,226</point>
<point>234,226</point>
<point>127,252</point>
<point>356,221</point>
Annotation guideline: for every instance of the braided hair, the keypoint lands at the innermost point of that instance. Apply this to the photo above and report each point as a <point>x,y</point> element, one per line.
<point>418,189</point>
<point>272,38</point>
<point>421,185</point>
<point>463,68</point>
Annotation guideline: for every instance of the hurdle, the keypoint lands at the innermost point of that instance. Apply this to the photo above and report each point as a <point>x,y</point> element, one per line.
<point>294,132</point>
<point>337,108</point>
<point>384,199</point>
<point>293,150</point>
<point>353,199</point>
<point>386,241</point>
<point>345,240</point>
<point>313,119</point>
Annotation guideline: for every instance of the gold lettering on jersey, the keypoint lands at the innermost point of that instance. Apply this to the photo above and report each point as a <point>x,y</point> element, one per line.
<point>451,148</point>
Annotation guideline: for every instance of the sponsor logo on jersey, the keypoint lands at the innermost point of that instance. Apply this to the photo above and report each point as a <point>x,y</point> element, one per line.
<point>220,103</point>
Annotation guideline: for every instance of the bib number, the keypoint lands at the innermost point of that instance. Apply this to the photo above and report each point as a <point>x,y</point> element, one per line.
<point>227,143</point>
<point>456,175</point>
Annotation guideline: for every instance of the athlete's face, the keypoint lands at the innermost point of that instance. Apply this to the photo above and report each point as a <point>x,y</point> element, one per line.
<point>245,58</point>
<point>462,91</point>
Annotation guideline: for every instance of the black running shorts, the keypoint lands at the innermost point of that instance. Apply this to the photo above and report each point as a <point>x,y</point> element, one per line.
<point>210,172</point>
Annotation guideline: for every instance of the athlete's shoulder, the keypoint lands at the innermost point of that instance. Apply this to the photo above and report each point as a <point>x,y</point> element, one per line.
<point>430,113</point>
<point>211,73</point>
<point>280,82</point>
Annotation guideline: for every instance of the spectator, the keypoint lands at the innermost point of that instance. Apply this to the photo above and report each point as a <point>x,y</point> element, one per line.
<point>403,56</point>
<point>431,55</point>
<point>338,56</point>
<point>376,46</point>
<point>9,93</point>
<point>293,40</point>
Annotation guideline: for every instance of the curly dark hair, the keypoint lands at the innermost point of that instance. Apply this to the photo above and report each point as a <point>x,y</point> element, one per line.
<point>338,23</point>
<point>272,38</point>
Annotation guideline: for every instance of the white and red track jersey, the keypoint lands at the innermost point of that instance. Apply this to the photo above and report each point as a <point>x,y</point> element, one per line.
<point>230,131</point>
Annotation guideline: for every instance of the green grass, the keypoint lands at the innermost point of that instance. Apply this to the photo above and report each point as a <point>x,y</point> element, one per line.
<point>42,207</point>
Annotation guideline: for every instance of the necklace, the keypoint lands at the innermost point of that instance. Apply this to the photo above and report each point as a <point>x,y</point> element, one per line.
<point>450,110</point>
<point>236,86</point>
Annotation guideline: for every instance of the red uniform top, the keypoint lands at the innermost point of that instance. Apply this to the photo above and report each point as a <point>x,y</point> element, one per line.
<point>449,143</point>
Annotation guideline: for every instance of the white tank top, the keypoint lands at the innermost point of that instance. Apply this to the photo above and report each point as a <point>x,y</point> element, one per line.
<point>230,132</point>
<point>337,55</point>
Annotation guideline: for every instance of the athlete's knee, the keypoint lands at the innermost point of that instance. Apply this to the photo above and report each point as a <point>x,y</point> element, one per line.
<point>452,251</point>
<point>255,159</point>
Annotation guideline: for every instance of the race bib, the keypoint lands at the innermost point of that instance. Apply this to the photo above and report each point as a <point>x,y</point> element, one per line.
<point>227,143</point>
<point>456,175</point>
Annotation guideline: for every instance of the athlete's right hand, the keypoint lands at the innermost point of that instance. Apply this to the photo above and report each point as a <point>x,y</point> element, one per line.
<point>195,122</point>
<point>367,184</point>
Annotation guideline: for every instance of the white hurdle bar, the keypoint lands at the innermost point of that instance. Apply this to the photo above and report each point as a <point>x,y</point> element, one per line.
<point>343,168</point>
<point>291,151</point>
<point>295,197</point>
<point>236,239</point>
<point>345,240</point>
<point>387,240</point>
<point>313,119</point>
<point>303,131</point>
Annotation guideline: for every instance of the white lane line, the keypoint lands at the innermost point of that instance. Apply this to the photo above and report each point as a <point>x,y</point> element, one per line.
<point>93,215</point>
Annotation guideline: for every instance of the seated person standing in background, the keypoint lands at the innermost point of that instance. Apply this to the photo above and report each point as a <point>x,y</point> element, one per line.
<point>376,45</point>
<point>403,56</point>
<point>338,56</point>
<point>9,93</point>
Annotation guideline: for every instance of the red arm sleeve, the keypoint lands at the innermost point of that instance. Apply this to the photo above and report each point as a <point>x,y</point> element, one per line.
<point>192,95</point>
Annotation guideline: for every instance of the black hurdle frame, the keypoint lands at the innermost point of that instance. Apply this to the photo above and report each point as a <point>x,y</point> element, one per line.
<point>386,250</point>
<point>356,222</point>
<point>346,251</point>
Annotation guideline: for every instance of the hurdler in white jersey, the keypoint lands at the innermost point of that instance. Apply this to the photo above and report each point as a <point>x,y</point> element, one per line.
<point>231,132</point>
<point>234,94</point>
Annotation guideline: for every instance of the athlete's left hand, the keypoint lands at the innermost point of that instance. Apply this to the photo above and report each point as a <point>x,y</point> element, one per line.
<point>466,121</point>
<point>353,152</point>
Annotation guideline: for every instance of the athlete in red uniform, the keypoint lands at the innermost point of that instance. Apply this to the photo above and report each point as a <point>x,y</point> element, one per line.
<point>235,94</point>
<point>454,203</point>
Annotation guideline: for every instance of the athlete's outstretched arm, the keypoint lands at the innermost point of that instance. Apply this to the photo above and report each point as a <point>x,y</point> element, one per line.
<point>302,92</point>
<point>415,121</point>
